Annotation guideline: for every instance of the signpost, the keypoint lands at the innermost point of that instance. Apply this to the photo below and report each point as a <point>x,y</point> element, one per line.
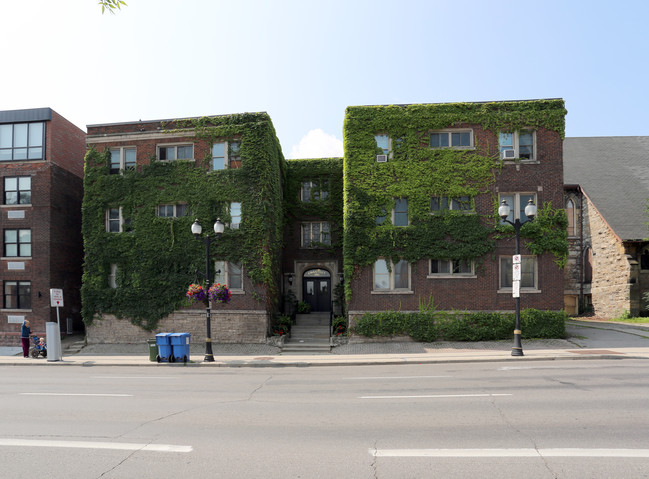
<point>516,276</point>
<point>56,301</point>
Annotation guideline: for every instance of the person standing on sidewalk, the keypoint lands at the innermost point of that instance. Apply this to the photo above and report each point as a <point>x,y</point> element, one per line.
<point>25,332</point>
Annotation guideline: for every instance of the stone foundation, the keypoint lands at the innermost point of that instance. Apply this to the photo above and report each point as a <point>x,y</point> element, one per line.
<point>227,327</point>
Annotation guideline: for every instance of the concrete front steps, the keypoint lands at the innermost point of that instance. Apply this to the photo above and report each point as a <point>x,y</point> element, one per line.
<point>309,335</point>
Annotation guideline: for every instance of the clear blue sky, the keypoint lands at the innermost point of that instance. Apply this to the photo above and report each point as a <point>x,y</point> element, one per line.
<point>305,61</point>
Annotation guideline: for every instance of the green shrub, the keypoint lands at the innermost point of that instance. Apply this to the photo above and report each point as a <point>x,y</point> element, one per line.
<point>429,326</point>
<point>303,308</point>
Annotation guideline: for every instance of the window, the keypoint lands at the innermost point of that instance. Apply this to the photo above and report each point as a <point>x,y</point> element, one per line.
<point>122,159</point>
<point>176,152</point>
<point>234,151</point>
<point>588,265</point>
<point>219,159</point>
<point>315,233</point>
<point>235,215</point>
<point>445,203</point>
<point>383,143</point>
<point>528,272</point>
<point>22,141</point>
<point>570,213</point>
<point>644,258</point>
<point>18,190</point>
<point>112,276</point>
<point>18,243</point>
<point>114,220</point>
<point>517,203</point>
<point>400,212</point>
<point>521,142</point>
<point>229,273</point>
<point>452,139</point>
<point>315,190</point>
<point>395,277</point>
<point>18,295</point>
<point>172,211</point>
<point>458,267</point>
<point>218,156</point>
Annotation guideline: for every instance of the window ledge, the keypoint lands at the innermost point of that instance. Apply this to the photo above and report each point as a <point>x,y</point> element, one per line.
<point>451,276</point>
<point>16,310</point>
<point>29,205</point>
<point>16,258</point>
<point>523,291</point>
<point>519,161</point>
<point>393,291</point>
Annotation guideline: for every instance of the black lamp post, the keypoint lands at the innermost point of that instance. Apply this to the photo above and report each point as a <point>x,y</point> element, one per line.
<point>530,212</point>
<point>197,229</point>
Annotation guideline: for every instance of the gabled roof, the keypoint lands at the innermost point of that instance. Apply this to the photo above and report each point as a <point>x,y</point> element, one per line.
<point>613,172</point>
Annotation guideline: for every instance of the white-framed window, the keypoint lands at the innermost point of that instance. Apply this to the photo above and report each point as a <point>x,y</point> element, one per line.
<point>123,158</point>
<point>18,243</point>
<point>517,203</point>
<point>523,144</point>
<point>172,211</point>
<point>571,215</point>
<point>224,153</point>
<point>114,220</point>
<point>387,147</point>
<point>439,204</point>
<point>383,142</point>
<point>176,152</point>
<point>230,274</point>
<point>18,190</point>
<point>315,233</point>
<point>314,190</point>
<point>112,276</point>
<point>529,274</point>
<point>451,139</point>
<point>389,276</point>
<point>447,267</point>
<point>22,141</point>
<point>235,215</point>
<point>400,212</point>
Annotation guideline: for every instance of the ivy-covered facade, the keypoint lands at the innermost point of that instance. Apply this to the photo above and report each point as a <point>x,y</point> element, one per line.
<point>422,189</point>
<point>145,184</point>
<point>408,219</point>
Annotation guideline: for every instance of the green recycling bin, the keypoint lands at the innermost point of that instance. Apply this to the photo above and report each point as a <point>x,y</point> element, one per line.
<point>153,349</point>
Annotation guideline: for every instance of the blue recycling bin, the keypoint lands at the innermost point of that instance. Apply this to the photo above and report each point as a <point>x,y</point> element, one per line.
<point>164,347</point>
<point>180,346</point>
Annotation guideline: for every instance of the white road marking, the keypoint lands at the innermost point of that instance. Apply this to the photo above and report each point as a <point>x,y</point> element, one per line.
<point>436,396</point>
<point>399,377</point>
<point>134,377</point>
<point>75,394</point>
<point>95,445</point>
<point>556,452</point>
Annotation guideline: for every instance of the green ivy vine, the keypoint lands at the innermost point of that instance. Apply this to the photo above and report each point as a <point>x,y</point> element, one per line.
<point>158,257</point>
<point>417,172</point>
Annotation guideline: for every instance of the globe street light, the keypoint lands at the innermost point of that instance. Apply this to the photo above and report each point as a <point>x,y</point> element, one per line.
<point>197,229</point>
<point>530,212</point>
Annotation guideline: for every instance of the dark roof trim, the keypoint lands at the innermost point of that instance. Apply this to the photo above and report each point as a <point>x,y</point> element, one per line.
<point>33,114</point>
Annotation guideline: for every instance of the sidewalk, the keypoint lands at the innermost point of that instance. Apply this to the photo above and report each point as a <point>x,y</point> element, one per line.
<point>587,340</point>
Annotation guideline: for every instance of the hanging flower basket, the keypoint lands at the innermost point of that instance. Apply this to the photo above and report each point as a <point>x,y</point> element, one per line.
<point>196,293</point>
<point>219,293</point>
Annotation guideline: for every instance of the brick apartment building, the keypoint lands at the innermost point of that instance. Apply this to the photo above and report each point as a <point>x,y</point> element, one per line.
<point>145,184</point>
<point>41,165</point>
<point>422,189</point>
<point>418,225</point>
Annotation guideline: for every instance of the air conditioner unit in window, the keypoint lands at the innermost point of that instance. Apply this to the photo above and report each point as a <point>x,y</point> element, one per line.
<point>508,154</point>
<point>381,158</point>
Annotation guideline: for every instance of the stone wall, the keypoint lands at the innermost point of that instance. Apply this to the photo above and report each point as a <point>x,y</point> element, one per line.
<point>227,327</point>
<point>611,288</point>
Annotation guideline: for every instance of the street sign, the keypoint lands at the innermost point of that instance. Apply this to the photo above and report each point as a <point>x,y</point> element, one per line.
<point>516,259</point>
<point>56,298</point>
<point>516,272</point>
<point>516,289</point>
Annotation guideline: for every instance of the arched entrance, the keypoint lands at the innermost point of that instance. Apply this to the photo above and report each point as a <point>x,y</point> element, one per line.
<point>316,289</point>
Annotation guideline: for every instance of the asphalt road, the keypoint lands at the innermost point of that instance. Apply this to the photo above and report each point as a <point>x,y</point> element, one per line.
<point>543,419</point>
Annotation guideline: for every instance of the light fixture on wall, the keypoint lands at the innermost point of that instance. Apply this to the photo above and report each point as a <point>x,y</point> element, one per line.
<point>530,212</point>
<point>290,279</point>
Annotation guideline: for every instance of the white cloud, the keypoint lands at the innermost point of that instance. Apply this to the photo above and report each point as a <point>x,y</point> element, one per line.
<point>317,144</point>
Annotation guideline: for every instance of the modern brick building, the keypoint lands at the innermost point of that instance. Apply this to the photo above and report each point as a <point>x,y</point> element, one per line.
<point>41,165</point>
